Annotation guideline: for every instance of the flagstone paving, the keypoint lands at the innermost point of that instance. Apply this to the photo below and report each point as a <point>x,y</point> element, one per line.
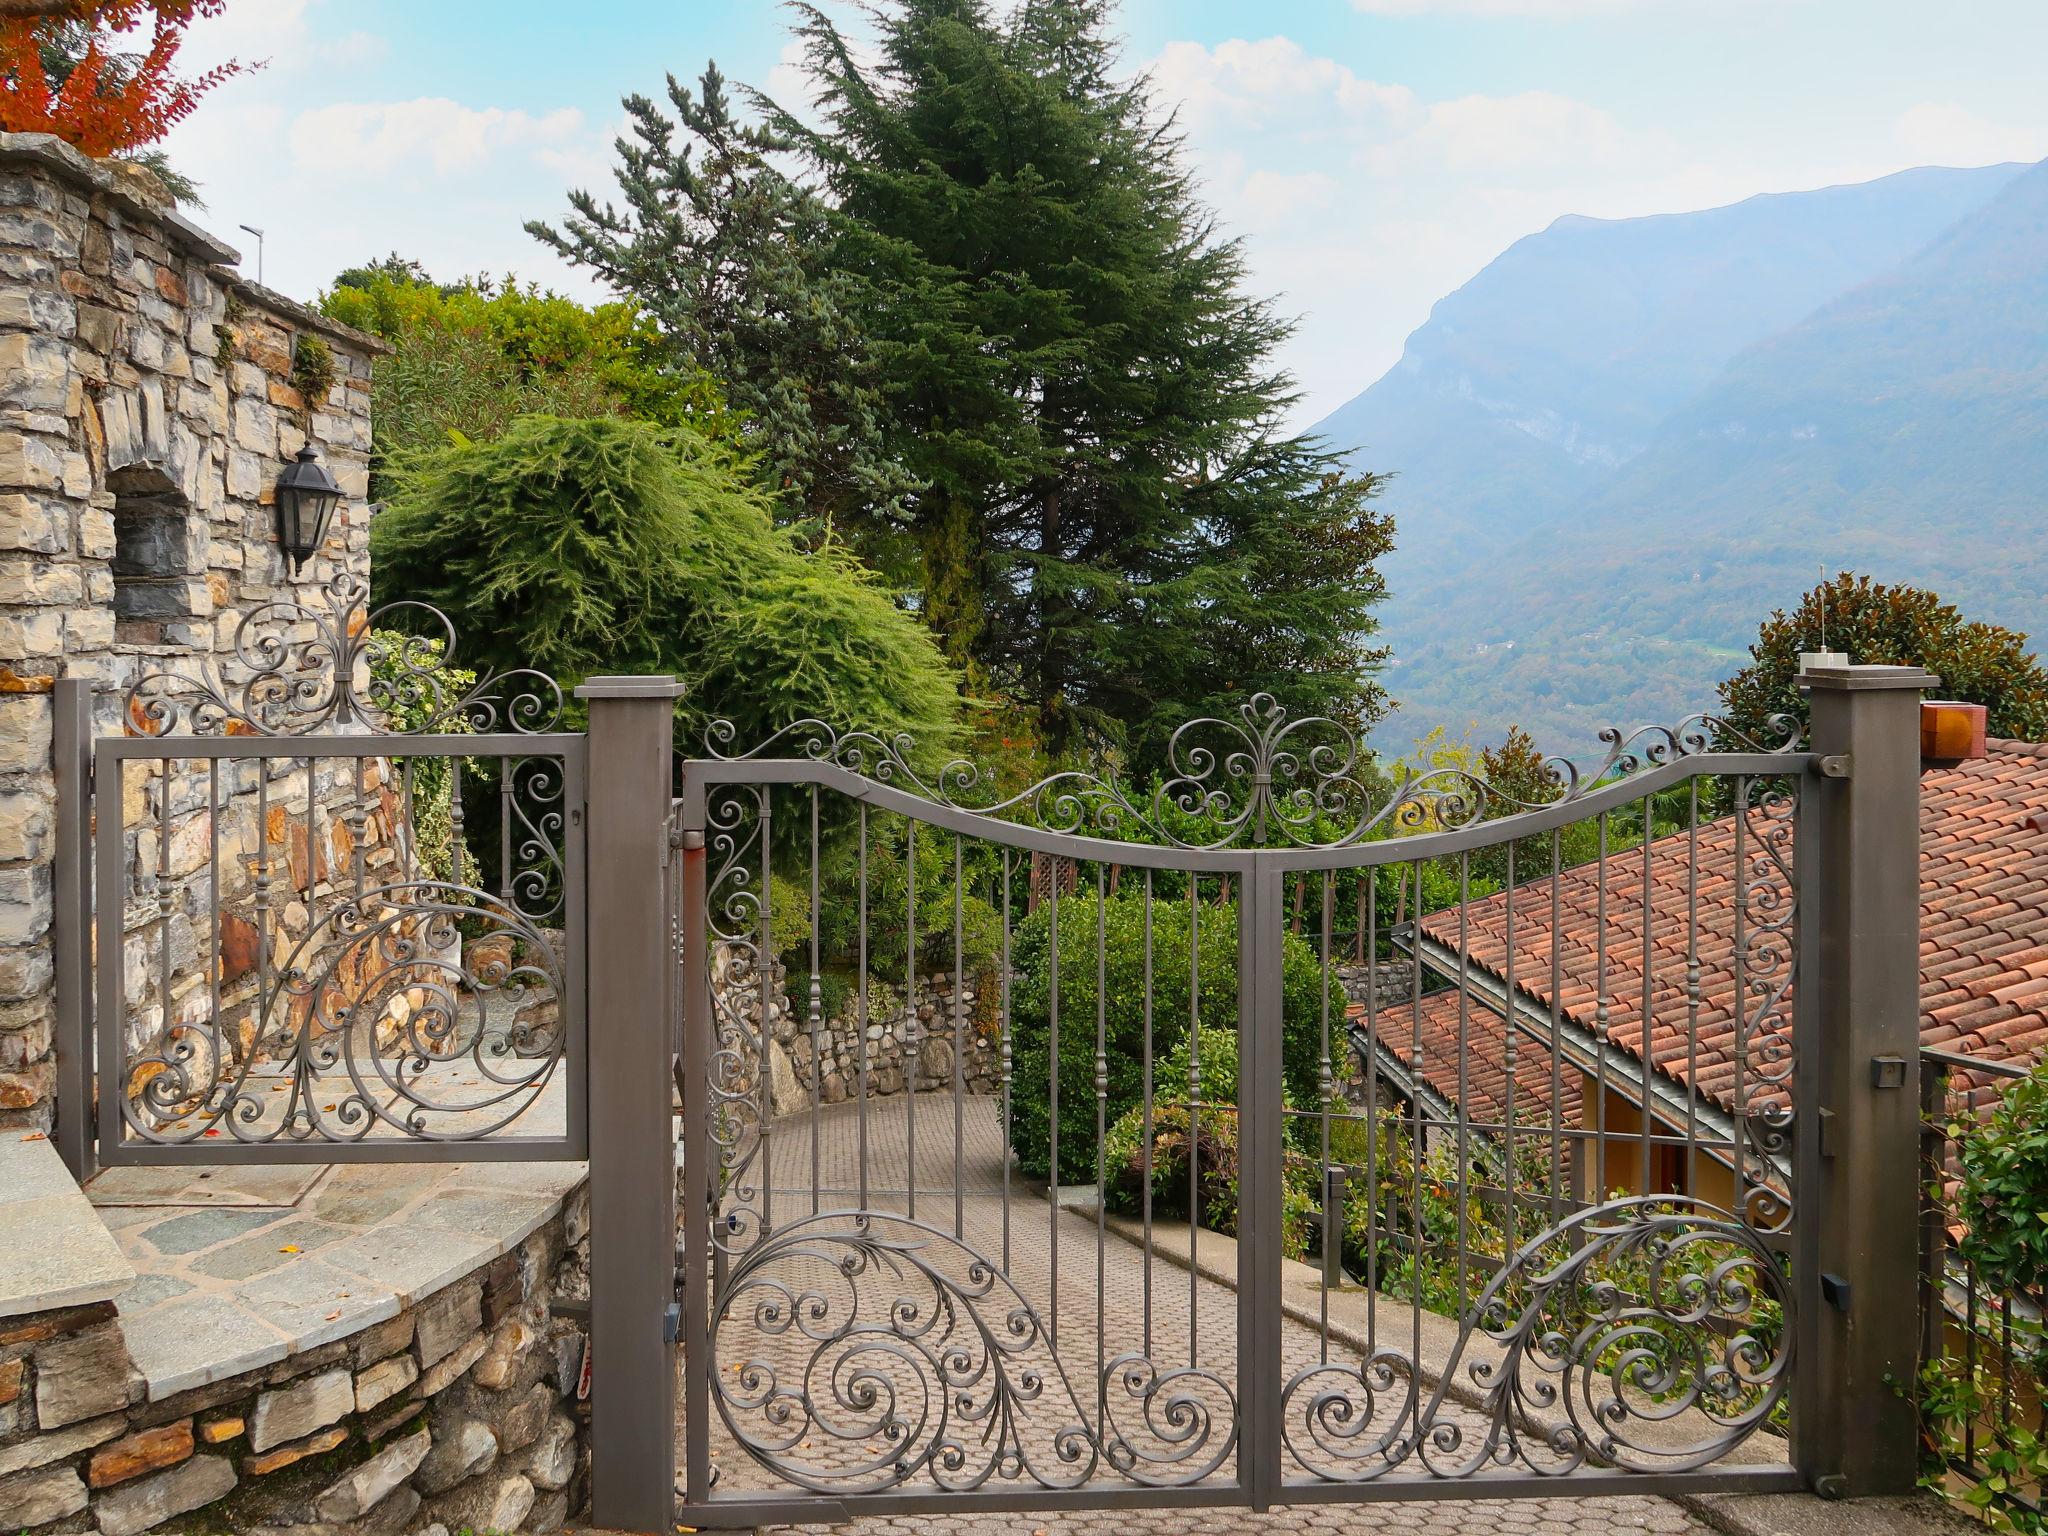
<point>237,1267</point>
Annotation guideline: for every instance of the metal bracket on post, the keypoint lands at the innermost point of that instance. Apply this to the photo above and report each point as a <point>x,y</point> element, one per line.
<point>633,1316</point>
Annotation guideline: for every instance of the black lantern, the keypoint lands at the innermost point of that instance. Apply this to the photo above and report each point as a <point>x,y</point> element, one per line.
<point>306,499</point>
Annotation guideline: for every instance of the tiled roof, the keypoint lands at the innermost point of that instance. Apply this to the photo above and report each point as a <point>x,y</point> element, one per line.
<point>1983,934</point>
<point>1432,1030</point>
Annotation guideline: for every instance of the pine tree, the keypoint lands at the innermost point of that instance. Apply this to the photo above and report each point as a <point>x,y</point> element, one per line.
<point>1112,521</point>
<point>727,255</point>
<point>994,336</point>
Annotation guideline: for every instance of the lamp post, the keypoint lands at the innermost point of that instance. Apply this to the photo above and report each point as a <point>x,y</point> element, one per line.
<point>306,498</point>
<point>259,251</point>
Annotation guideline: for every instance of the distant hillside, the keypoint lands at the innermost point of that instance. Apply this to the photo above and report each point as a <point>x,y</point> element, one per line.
<point>1623,442</point>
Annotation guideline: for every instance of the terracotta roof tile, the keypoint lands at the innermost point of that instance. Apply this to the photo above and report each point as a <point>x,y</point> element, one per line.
<point>1984,934</point>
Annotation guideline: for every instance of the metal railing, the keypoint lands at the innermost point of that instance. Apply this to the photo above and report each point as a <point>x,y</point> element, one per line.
<point>1984,1401</point>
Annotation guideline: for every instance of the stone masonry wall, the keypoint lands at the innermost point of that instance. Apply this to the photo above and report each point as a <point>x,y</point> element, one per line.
<point>460,1413</point>
<point>792,1062</point>
<point>149,398</point>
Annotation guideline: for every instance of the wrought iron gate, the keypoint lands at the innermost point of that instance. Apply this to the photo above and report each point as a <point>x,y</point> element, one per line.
<point>299,951</point>
<point>1006,1112</point>
<point>1287,997</point>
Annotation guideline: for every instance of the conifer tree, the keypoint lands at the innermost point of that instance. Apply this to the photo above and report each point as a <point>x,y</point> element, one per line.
<point>1050,345</point>
<point>727,255</point>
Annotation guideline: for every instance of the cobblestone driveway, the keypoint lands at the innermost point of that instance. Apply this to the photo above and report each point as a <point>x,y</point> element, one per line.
<point>1138,1300</point>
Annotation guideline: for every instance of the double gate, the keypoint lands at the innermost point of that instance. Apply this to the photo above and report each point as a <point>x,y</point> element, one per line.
<point>1277,1132</point>
<point>937,1245</point>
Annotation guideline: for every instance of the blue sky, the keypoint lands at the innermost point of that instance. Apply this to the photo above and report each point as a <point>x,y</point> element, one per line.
<point>1373,153</point>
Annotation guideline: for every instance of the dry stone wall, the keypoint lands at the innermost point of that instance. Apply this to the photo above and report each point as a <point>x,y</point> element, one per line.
<point>834,1065</point>
<point>460,1413</point>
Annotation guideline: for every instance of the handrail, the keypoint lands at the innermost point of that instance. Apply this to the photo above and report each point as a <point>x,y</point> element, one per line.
<point>1955,1060</point>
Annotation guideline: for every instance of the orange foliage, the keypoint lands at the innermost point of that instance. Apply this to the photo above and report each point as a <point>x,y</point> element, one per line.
<point>111,100</point>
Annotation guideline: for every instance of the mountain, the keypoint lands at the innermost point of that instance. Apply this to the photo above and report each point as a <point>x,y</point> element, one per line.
<point>1624,441</point>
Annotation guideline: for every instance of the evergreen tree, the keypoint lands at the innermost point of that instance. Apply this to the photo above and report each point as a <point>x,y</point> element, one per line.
<point>1112,522</point>
<point>996,336</point>
<point>611,544</point>
<point>728,256</point>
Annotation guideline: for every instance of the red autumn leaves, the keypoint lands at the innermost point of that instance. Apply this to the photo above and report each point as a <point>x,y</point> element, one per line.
<point>100,74</point>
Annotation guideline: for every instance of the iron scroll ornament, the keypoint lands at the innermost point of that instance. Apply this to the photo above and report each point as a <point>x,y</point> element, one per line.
<point>294,670</point>
<point>424,1010</point>
<point>878,1351</point>
<point>1600,1338</point>
<point>1262,779</point>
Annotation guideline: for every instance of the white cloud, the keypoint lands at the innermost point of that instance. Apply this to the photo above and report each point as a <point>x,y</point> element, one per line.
<point>1273,82</point>
<point>1515,133</point>
<point>376,138</point>
<point>1942,133</point>
<point>1547,10</point>
<point>1272,196</point>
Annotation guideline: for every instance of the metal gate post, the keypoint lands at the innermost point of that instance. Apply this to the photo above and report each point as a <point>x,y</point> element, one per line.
<point>632,1149</point>
<point>71,933</point>
<point>1857,1266</point>
<point>1261,1127</point>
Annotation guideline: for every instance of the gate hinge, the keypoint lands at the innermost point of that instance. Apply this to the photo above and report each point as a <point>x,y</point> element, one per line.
<point>671,1323</point>
<point>1836,765</point>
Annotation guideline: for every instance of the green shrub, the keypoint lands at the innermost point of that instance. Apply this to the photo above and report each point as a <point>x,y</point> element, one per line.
<point>1214,1134</point>
<point>611,545</point>
<point>1123,916</point>
<point>2002,1190</point>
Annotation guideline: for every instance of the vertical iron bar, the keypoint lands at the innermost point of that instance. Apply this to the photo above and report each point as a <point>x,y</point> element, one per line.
<point>1419,1143</point>
<point>1557,1136</point>
<point>861,1032</point>
<point>1692,988</point>
<point>1145,1142</point>
<point>1008,1063</point>
<point>1333,1230</point>
<point>817,1020</point>
<point>1195,1113</point>
<point>1369,898</point>
<point>1261,1131</point>
<point>1509,1034</point>
<point>1053,1086</point>
<point>913,1033</point>
<point>1649,989</point>
<point>455,818</point>
<point>110,880</point>
<point>959,1046</point>
<point>1101,1115</point>
<point>1739,1094</point>
<point>1464,1073</point>
<point>764,965</point>
<point>1600,1189</point>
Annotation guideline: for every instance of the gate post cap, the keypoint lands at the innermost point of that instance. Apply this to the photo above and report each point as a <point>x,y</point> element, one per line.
<point>1860,676</point>
<point>643,687</point>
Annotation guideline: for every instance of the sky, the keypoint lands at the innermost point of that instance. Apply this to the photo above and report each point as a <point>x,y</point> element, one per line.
<point>1372,154</point>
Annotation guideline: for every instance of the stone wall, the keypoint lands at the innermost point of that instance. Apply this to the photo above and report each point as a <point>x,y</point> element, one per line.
<point>793,1064</point>
<point>460,1413</point>
<point>149,398</point>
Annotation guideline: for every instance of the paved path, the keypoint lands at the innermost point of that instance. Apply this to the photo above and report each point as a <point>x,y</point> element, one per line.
<point>1109,1301</point>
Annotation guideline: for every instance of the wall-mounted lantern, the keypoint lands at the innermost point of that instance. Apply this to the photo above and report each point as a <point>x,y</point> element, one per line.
<point>306,499</point>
